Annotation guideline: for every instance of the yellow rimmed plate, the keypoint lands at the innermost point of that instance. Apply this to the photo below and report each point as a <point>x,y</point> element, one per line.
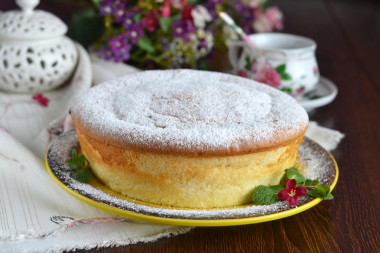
<point>316,162</point>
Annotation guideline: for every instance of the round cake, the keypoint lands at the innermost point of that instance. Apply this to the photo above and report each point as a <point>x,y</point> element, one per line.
<point>188,138</point>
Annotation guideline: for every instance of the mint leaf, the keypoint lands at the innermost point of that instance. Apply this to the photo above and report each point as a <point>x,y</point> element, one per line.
<point>74,154</point>
<point>76,161</point>
<point>309,182</point>
<point>73,165</point>
<point>329,197</point>
<point>145,44</point>
<point>281,68</point>
<point>277,188</point>
<point>313,194</point>
<point>165,23</point>
<point>323,189</point>
<point>320,191</point>
<point>293,173</point>
<point>79,164</point>
<point>83,176</point>
<point>264,195</point>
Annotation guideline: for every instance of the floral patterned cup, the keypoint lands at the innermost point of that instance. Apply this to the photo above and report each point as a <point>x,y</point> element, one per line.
<point>283,61</point>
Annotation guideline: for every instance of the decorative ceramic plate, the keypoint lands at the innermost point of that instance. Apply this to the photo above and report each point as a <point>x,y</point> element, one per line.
<point>315,161</point>
<point>323,93</point>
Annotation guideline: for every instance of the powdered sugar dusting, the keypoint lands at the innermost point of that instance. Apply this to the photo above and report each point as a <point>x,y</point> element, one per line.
<point>315,161</point>
<point>189,110</point>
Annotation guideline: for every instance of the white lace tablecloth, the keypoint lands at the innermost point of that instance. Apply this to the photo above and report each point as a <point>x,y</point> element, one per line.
<point>38,216</point>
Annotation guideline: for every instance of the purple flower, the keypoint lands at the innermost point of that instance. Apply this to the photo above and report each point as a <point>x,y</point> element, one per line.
<point>128,20</point>
<point>106,7</point>
<point>119,11</point>
<point>119,48</point>
<point>106,53</point>
<point>134,32</point>
<point>202,44</point>
<point>183,29</point>
<point>247,15</point>
<point>211,6</point>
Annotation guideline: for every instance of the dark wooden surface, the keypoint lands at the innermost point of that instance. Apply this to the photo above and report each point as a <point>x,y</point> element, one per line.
<point>348,36</point>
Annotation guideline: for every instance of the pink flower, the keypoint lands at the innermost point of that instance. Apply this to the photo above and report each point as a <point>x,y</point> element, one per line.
<point>242,73</point>
<point>166,10</point>
<point>178,4</point>
<point>150,21</point>
<point>41,99</point>
<point>271,19</point>
<point>265,73</point>
<point>275,18</point>
<point>291,192</point>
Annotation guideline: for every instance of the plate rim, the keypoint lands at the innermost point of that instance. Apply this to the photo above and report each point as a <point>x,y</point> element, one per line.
<point>188,221</point>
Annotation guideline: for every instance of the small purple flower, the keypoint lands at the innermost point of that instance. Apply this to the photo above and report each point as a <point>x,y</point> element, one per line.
<point>106,7</point>
<point>106,53</point>
<point>129,17</point>
<point>120,48</point>
<point>128,20</point>
<point>246,14</point>
<point>119,12</point>
<point>212,6</point>
<point>134,32</point>
<point>202,44</point>
<point>183,29</point>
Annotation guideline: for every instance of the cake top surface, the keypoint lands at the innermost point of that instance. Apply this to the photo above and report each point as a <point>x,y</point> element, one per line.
<point>189,112</point>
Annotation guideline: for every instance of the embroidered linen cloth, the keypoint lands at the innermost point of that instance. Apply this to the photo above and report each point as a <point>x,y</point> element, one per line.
<point>36,215</point>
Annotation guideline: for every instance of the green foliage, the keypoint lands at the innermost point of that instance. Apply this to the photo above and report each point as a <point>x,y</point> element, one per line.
<point>292,173</point>
<point>309,182</point>
<point>144,43</point>
<point>83,175</point>
<point>165,23</point>
<point>86,26</point>
<point>76,161</point>
<point>264,195</point>
<point>79,164</point>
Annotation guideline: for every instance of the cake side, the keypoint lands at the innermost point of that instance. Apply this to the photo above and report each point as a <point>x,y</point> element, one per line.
<point>186,181</point>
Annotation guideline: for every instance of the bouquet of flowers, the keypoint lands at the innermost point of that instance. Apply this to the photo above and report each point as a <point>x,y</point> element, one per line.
<point>176,33</point>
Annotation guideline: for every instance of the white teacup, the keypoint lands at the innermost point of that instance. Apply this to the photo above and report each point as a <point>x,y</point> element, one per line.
<point>284,61</point>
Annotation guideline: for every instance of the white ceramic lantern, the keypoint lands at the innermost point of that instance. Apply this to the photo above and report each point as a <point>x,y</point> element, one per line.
<point>35,55</point>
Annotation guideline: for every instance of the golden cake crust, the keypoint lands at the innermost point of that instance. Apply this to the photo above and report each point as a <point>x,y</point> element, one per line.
<point>186,181</point>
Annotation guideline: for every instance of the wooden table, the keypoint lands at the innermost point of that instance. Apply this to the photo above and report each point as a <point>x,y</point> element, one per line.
<point>348,36</point>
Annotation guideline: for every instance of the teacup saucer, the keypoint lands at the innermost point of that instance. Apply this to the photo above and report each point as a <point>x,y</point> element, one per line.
<point>323,93</point>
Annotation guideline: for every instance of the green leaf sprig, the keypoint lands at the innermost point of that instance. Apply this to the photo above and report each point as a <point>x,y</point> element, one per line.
<point>267,195</point>
<point>80,165</point>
